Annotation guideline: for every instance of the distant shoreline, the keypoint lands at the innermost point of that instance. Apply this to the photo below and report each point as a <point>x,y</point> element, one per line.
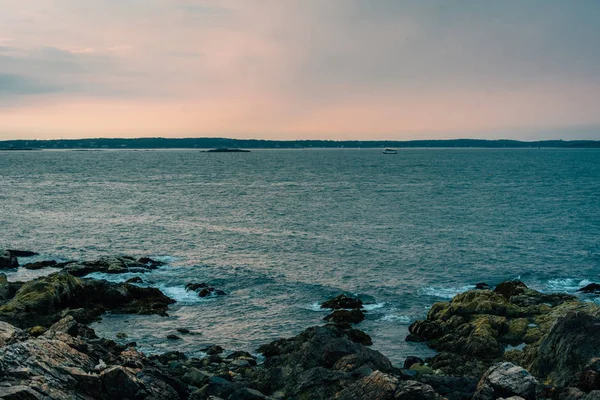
<point>220,143</point>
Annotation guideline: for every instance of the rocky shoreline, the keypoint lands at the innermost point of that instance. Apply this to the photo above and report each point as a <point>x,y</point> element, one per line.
<point>508,342</point>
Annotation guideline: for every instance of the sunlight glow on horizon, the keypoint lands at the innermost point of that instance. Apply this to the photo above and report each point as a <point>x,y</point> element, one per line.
<point>343,69</point>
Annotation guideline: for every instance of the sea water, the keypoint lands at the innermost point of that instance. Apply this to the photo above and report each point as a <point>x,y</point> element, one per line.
<point>283,230</point>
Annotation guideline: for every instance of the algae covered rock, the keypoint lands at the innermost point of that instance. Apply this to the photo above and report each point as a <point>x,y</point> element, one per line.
<point>571,345</point>
<point>45,300</point>
<point>473,330</point>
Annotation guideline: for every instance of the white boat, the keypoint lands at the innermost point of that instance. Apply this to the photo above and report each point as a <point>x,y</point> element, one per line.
<point>389,150</point>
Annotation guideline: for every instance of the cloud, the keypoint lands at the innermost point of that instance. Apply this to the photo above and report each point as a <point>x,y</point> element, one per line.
<point>338,67</point>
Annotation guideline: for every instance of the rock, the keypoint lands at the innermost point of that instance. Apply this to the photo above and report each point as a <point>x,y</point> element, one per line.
<point>18,393</point>
<point>214,349</point>
<point>71,327</point>
<point>472,331</point>
<point>8,333</point>
<point>36,330</point>
<point>354,316</point>
<point>22,253</point>
<point>121,335</point>
<point>358,336</point>
<point>510,288</point>
<point>376,386</point>
<point>593,288</point>
<point>451,387</point>
<point>316,364</point>
<point>44,301</point>
<point>183,330</point>
<point>413,390</point>
<point>210,291</point>
<point>590,377</point>
<point>150,262</point>
<point>135,279</point>
<point>410,360</point>
<point>40,264</point>
<point>107,265</point>
<point>343,302</point>
<point>195,377</point>
<point>195,286</point>
<point>570,346</point>
<point>8,261</point>
<point>421,369</point>
<point>505,380</point>
<point>7,289</point>
<point>246,394</point>
<point>482,286</point>
<point>173,337</point>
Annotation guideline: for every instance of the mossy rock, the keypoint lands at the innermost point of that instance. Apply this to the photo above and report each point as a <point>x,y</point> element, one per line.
<point>36,330</point>
<point>421,369</point>
<point>517,329</point>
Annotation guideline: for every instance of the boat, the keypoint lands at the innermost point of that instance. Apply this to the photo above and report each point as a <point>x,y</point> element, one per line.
<point>389,150</point>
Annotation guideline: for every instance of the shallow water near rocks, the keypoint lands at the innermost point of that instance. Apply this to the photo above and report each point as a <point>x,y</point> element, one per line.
<point>282,230</point>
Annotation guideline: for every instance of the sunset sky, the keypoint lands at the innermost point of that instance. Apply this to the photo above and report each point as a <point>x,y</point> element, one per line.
<point>284,69</point>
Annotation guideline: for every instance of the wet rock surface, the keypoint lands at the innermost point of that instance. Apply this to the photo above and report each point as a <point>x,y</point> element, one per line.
<point>45,300</point>
<point>112,265</point>
<point>8,260</point>
<point>47,351</point>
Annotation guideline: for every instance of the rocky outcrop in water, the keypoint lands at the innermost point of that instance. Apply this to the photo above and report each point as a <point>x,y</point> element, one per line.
<point>112,265</point>
<point>8,261</point>
<point>45,300</point>
<point>556,338</point>
<point>511,343</point>
<point>41,264</point>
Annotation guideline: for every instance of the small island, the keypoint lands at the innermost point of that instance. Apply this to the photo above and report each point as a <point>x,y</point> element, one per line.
<point>226,150</point>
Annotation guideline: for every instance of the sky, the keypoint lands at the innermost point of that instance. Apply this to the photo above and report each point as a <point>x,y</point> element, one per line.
<point>300,69</point>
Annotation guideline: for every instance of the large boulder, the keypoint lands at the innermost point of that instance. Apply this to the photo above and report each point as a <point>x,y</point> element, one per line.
<point>45,300</point>
<point>8,261</point>
<point>343,302</point>
<point>474,329</point>
<point>506,380</point>
<point>59,366</point>
<point>570,348</point>
<point>318,363</point>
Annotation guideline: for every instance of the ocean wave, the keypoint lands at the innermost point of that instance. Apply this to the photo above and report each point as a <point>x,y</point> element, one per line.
<point>568,285</point>
<point>316,306</point>
<point>373,306</point>
<point>445,292</point>
<point>180,295</point>
<point>403,319</point>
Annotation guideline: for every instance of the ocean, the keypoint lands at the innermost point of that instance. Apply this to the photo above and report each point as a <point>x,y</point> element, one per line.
<point>283,230</point>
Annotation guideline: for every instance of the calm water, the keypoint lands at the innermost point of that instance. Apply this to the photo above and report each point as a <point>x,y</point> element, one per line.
<point>283,230</point>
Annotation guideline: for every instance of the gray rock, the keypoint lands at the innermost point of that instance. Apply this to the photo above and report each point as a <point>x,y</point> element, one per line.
<point>413,390</point>
<point>506,380</point>
<point>569,347</point>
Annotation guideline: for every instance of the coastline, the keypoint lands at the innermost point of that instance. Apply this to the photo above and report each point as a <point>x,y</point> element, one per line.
<point>481,336</point>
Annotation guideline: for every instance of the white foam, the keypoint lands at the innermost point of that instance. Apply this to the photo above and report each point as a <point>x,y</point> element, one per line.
<point>403,319</point>
<point>117,278</point>
<point>374,306</point>
<point>445,293</point>
<point>316,306</point>
<point>568,285</point>
<point>180,295</point>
